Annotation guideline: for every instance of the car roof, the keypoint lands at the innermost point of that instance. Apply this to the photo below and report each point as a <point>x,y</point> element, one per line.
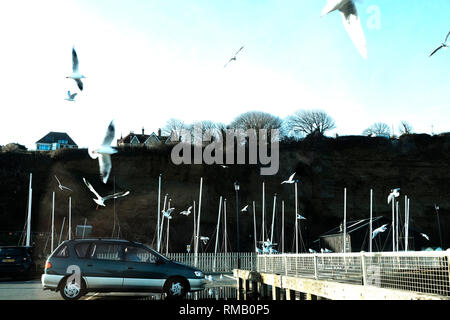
<point>103,239</point>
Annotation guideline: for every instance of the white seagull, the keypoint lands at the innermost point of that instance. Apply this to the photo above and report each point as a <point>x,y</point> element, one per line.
<point>312,250</point>
<point>394,194</point>
<point>300,217</point>
<point>443,45</point>
<point>104,152</point>
<point>224,166</point>
<point>425,236</point>
<point>245,209</point>
<point>168,213</point>
<point>61,186</point>
<point>351,21</point>
<point>234,58</point>
<point>326,250</point>
<point>436,207</point>
<point>100,201</point>
<point>378,230</point>
<point>186,212</point>
<point>204,239</point>
<point>290,180</point>
<point>75,74</point>
<point>70,97</point>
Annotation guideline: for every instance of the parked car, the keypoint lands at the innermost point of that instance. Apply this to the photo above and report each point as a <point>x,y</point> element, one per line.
<point>77,267</point>
<point>16,262</point>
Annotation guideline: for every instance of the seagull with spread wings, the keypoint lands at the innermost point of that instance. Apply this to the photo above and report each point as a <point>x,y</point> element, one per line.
<point>61,186</point>
<point>351,21</point>
<point>70,96</point>
<point>290,180</point>
<point>104,152</point>
<point>378,230</point>
<point>234,57</point>
<point>100,201</point>
<point>75,73</point>
<point>443,45</point>
<point>186,212</point>
<point>245,209</point>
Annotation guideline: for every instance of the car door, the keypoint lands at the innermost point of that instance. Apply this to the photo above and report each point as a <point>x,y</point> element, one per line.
<point>144,270</point>
<point>104,266</point>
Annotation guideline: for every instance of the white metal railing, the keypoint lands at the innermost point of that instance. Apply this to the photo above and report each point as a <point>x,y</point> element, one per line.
<point>418,271</point>
<point>220,262</point>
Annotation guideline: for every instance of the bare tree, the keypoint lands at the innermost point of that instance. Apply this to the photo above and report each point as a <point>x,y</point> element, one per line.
<point>378,129</point>
<point>308,122</point>
<point>174,127</point>
<point>405,128</point>
<point>256,120</point>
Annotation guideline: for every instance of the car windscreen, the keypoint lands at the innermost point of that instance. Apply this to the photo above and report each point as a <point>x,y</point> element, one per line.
<point>11,251</point>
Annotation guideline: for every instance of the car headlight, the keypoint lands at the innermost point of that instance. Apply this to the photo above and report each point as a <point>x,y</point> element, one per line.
<point>198,273</point>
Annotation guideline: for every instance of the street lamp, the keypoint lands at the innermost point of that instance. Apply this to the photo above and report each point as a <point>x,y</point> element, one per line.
<point>236,188</point>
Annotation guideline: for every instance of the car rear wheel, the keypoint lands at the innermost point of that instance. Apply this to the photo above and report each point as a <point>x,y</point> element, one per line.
<point>175,288</point>
<point>71,290</point>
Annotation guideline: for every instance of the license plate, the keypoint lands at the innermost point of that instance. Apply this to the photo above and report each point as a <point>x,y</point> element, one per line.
<point>9,260</point>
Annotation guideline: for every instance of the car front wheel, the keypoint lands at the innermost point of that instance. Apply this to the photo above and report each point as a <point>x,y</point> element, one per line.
<point>71,290</point>
<point>175,288</point>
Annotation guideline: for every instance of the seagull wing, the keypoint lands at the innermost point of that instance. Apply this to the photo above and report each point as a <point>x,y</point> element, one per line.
<point>74,61</point>
<point>448,35</point>
<point>79,83</point>
<point>104,161</point>
<point>353,26</point>
<point>116,195</point>
<point>110,133</point>
<point>64,187</point>
<point>436,50</point>
<point>91,188</point>
<point>238,51</point>
<point>390,198</point>
<point>73,95</point>
<point>57,180</point>
<point>291,177</point>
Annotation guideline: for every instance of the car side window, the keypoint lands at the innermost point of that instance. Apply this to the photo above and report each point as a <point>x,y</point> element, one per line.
<point>106,251</point>
<point>63,252</point>
<point>81,249</point>
<point>136,254</point>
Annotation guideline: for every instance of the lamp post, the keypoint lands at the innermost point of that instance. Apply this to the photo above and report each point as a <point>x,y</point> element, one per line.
<point>236,188</point>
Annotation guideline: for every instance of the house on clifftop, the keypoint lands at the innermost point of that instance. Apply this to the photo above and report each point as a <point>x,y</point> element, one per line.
<point>55,141</point>
<point>143,140</point>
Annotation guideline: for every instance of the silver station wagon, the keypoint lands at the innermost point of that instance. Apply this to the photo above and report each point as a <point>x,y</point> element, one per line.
<point>77,267</point>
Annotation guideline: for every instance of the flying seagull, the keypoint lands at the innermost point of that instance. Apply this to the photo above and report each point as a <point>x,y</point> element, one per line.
<point>70,97</point>
<point>443,45</point>
<point>61,186</point>
<point>378,230</point>
<point>75,74</point>
<point>290,180</point>
<point>186,212</point>
<point>100,201</point>
<point>245,208</point>
<point>300,217</point>
<point>204,239</point>
<point>394,194</point>
<point>351,21</point>
<point>234,57</point>
<point>104,152</point>
<point>168,213</point>
<point>436,207</point>
<point>425,236</point>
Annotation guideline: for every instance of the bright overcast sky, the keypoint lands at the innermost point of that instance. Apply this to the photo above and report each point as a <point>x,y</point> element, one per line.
<point>148,61</point>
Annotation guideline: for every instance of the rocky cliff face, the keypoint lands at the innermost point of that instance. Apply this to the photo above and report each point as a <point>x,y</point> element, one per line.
<point>418,164</point>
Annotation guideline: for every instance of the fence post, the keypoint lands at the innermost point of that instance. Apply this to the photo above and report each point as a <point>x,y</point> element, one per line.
<point>316,275</point>
<point>363,268</point>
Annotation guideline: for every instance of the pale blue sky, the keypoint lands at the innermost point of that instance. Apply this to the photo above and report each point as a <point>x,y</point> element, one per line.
<point>148,61</point>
